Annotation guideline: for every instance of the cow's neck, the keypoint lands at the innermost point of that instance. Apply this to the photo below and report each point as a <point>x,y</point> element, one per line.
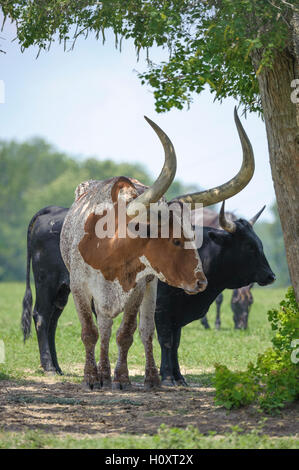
<point>218,275</point>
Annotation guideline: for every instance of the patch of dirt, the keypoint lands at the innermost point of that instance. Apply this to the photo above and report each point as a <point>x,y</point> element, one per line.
<point>54,405</point>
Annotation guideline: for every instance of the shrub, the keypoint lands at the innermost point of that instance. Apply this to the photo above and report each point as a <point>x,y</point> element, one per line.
<point>274,380</point>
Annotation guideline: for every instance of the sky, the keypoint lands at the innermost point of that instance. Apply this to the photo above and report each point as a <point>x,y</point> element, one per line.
<point>90,102</point>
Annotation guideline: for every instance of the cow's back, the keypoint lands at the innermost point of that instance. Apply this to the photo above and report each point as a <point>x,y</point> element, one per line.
<point>44,240</point>
<point>91,197</point>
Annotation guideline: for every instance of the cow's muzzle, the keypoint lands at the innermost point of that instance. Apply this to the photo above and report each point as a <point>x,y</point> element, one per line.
<point>200,287</point>
<point>269,279</point>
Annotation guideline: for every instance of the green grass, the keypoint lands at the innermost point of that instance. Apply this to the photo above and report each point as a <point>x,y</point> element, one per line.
<point>234,348</point>
<point>166,438</point>
<point>200,349</point>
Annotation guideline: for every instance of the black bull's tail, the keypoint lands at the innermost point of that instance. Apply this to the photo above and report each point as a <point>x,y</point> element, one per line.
<point>27,300</point>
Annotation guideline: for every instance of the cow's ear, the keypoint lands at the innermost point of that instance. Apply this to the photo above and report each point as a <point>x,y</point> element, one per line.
<point>125,187</point>
<point>220,237</point>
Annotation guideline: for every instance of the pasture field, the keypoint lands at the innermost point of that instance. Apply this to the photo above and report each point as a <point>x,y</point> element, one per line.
<point>41,411</point>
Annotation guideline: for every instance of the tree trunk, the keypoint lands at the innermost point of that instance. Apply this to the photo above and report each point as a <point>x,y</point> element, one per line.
<point>281,116</point>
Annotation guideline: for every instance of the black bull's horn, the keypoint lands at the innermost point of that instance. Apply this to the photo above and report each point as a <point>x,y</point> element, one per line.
<point>229,225</point>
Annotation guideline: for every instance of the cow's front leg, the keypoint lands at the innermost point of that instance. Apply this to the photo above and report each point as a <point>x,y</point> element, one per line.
<point>104,369</point>
<point>178,377</point>
<point>124,339</point>
<point>147,329</point>
<point>89,336</point>
<point>165,338</point>
<point>166,373</point>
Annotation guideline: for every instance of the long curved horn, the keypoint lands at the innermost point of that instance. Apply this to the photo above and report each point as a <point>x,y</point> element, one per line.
<point>254,219</point>
<point>164,180</point>
<point>233,186</point>
<point>224,223</point>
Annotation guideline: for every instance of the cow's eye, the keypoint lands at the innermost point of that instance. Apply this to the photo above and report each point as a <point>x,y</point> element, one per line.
<point>176,242</point>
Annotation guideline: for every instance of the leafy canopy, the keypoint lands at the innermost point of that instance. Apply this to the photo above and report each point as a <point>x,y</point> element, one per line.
<point>209,42</point>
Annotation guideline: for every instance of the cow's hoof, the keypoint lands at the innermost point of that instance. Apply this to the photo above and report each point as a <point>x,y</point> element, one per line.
<point>126,386</point>
<point>50,373</point>
<point>105,380</point>
<point>88,386</point>
<point>181,382</point>
<point>152,384</point>
<point>121,385</point>
<point>106,384</point>
<point>116,386</point>
<point>97,386</point>
<point>168,383</point>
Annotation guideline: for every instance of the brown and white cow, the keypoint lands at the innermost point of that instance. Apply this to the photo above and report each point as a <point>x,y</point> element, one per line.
<point>119,273</point>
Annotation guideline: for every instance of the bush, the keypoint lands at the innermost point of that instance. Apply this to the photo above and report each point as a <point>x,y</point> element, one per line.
<point>274,380</point>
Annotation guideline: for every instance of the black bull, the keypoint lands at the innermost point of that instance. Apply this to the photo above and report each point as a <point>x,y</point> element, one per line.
<point>230,260</point>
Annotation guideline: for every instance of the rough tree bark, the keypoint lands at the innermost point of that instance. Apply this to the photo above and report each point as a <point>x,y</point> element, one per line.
<point>281,116</point>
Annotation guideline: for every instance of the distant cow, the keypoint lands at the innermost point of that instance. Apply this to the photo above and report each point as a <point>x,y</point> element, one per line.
<point>204,320</point>
<point>224,254</point>
<point>241,302</point>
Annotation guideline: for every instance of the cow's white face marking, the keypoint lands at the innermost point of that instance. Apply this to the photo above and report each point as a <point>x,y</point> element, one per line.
<point>150,270</point>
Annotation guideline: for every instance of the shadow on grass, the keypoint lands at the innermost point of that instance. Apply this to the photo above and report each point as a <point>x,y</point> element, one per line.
<point>204,379</point>
<point>43,373</point>
<point>61,407</point>
<point>201,380</point>
<point>4,376</point>
<point>64,406</point>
